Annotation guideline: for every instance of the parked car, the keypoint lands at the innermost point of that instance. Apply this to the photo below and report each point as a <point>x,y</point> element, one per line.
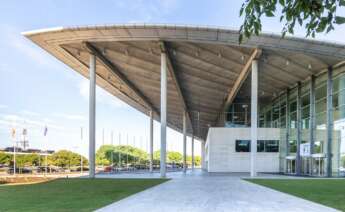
<point>24,170</point>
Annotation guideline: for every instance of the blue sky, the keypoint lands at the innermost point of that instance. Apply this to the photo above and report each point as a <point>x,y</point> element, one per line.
<point>37,90</point>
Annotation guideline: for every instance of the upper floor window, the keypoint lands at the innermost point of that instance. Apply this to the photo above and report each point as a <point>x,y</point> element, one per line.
<point>262,146</point>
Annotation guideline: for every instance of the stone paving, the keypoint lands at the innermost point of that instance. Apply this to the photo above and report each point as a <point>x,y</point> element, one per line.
<point>197,191</point>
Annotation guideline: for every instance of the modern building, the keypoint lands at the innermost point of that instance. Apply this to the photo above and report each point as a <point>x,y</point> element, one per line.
<point>283,96</point>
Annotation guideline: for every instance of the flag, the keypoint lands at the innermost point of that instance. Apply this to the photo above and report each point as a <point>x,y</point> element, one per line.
<point>13,133</point>
<point>25,131</point>
<point>45,131</point>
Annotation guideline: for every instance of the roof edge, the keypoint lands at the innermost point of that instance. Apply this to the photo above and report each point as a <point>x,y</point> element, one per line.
<point>199,27</point>
<point>39,31</point>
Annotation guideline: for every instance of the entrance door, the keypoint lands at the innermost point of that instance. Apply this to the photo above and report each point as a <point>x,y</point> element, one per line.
<point>318,162</point>
<point>306,161</point>
<point>290,166</point>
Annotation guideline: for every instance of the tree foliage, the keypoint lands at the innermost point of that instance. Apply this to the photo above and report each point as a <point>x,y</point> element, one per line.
<point>172,157</point>
<point>316,15</point>
<point>66,159</point>
<point>5,159</point>
<point>110,154</point>
<point>176,157</point>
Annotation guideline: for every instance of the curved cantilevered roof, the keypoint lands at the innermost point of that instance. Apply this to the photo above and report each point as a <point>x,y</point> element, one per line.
<point>206,66</point>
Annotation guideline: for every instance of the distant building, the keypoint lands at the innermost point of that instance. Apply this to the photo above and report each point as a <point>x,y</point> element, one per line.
<point>26,151</point>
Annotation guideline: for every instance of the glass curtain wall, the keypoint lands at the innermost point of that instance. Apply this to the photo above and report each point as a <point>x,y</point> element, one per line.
<point>305,126</point>
<point>283,115</point>
<point>320,143</point>
<point>338,151</point>
<point>238,115</point>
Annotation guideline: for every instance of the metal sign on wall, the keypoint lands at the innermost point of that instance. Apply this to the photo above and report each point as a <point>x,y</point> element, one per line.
<point>305,150</point>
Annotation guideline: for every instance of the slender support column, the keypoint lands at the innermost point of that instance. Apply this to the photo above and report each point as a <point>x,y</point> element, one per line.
<point>312,120</point>
<point>193,162</point>
<point>299,129</point>
<point>329,120</point>
<point>163,114</point>
<point>151,141</point>
<point>253,115</point>
<point>92,116</point>
<point>184,142</point>
<point>203,156</point>
<point>287,124</point>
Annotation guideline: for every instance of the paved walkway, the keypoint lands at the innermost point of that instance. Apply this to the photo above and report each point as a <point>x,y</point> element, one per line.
<point>208,193</point>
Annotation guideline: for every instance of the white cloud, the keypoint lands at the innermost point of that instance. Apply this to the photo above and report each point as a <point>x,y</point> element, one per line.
<point>2,106</point>
<point>29,113</point>
<point>12,120</point>
<point>70,116</point>
<point>102,96</point>
<point>14,39</point>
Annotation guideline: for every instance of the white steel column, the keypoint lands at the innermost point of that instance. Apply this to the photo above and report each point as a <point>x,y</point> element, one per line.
<point>163,113</point>
<point>253,116</point>
<point>184,142</point>
<point>151,141</point>
<point>203,156</point>
<point>193,152</point>
<point>330,125</point>
<point>92,116</point>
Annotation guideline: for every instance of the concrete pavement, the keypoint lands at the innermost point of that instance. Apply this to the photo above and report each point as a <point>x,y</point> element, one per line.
<point>205,192</point>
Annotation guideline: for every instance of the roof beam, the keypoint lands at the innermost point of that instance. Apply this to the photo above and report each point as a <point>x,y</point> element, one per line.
<point>213,54</point>
<point>241,78</point>
<point>172,71</point>
<point>239,81</point>
<point>116,71</point>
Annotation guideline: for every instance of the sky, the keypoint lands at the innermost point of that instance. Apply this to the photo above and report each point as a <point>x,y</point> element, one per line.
<point>37,90</point>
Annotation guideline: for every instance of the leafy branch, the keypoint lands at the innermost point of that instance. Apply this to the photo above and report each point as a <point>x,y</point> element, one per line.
<point>316,15</point>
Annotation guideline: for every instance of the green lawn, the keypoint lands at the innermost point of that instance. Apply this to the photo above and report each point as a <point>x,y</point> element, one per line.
<point>329,192</point>
<point>70,194</point>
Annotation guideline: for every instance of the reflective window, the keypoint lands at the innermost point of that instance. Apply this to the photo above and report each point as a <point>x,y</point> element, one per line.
<point>242,145</point>
<point>271,146</point>
<point>261,146</point>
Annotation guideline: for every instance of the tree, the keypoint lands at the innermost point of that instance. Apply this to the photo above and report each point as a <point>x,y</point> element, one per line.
<point>66,159</point>
<point>197,160</point>
<point>108,154</point>
<point>5,159</point>
<point>27,160</point>
<point>101,154</point>
<point>172,157</point>
<point>316,15</point>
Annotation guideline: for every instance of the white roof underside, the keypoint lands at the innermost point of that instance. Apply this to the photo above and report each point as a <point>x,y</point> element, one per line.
<point>207,62</point>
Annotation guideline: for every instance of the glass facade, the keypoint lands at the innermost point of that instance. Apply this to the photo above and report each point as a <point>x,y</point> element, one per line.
<point>238,115</point>
<point>311,127</point>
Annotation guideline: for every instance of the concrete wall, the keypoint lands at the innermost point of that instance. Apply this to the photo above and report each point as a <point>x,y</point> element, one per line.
<point>221,155</point>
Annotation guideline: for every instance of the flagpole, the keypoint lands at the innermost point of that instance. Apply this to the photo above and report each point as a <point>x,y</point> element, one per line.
<point>119,150</point>
<point>81,156</point>
<point>14,157</point>
<point>103,136</point>
<point>13,136</point>
<point>112,151</point>
<point>46,156</point>
<point>46,169</point>
<point>127,153</point>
